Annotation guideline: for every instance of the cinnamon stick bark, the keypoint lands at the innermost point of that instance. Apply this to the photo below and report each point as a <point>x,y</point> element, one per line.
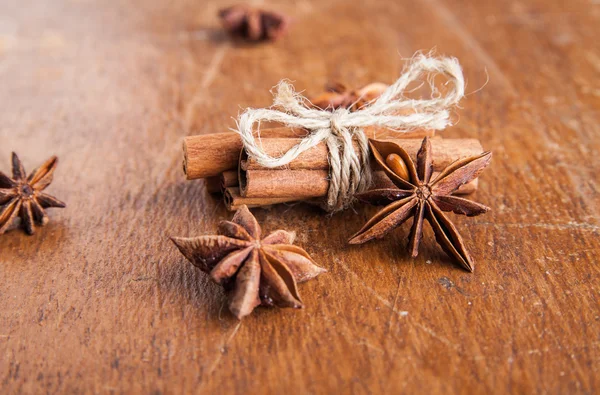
<point>308,184</point>
<point>217,184</point>
<point>209,155</point>
<point>229,178</point>
<point>233,200</point>
<point>445,151</point>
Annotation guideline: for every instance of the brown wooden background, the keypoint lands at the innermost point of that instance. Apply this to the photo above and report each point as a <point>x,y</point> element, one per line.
<point>100,301</point>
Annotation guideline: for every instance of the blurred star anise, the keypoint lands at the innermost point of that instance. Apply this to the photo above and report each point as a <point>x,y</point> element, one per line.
<point>255,271</point>
<point>22,196</point>
<point>253,24</point>
<point>339,95</point>
<point>422,198</point>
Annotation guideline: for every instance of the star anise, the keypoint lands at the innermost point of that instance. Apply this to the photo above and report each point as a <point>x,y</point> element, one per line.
<point>255,271</point>
<point>422,198</point>
<point>22,196</point>
<point>253,24</point>
<point>339,95</point>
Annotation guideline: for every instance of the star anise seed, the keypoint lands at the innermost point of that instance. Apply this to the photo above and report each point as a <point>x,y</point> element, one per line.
<point>420,197</point>
<point>253,24</point>
<point>255,271</point>
<point>22,196</point>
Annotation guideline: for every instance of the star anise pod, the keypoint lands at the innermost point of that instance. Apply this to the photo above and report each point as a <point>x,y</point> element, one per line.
<point>339,95</point>
<point>422,198</point>
<point>256,271</point>
<point>24,197</point>
<point>253,24</point>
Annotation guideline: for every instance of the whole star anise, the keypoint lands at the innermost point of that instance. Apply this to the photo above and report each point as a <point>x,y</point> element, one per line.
<point>339,95</point>
<point>22,196</point>
<point>422,198</point>
<point>253,24</point>
<point>255,271</point>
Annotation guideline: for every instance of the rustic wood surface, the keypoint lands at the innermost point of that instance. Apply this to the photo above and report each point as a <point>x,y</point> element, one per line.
<point>101,301</point>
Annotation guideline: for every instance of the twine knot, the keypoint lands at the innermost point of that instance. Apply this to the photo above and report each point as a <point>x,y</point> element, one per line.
<point>341,129</point>
<point>337,119</point>
<point>346,175</point>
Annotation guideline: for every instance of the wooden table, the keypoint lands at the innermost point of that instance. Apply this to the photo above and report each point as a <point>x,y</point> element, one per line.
<point>101,301</point>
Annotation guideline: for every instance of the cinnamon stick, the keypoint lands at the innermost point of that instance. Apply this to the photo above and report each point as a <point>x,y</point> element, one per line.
<point>229,178</point>
<point>308,184</point>
<point>445,151</point>
<point>299,184</point>
<point>211,154</point>
<point>217,184</point>
<point>233,200</point>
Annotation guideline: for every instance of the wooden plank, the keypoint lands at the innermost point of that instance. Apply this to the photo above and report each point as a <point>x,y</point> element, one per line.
<point>100,301</point>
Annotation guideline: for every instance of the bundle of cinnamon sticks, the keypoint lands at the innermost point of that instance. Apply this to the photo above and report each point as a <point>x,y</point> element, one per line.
<point>220,160</point>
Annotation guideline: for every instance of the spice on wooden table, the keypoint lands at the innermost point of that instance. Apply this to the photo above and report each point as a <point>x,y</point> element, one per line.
<point>22,196</point>
<point>339,95</point>
<point>421,197</point>
<point>317,157</point>
<point>234,200</point>
<point>308,177</point>
<point>254,270</point>
<point>306,184</point>
<point>253,24</point>
<point>211,154</point>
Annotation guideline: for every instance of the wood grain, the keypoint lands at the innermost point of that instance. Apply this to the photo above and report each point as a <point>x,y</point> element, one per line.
<point>99,301</point>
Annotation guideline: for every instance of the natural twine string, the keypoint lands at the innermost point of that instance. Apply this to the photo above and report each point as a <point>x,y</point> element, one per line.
<point>350,172</point>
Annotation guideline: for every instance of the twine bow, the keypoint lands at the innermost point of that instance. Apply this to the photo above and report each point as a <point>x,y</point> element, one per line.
<point>349,171</point>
